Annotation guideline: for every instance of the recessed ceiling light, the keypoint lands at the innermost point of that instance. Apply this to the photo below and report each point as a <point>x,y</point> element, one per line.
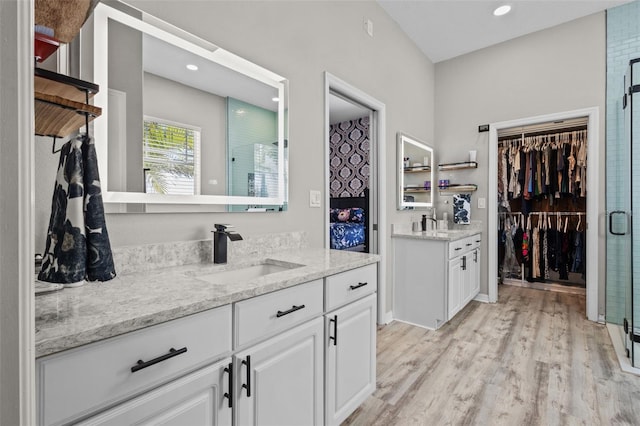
<point>192,67</point>
<point>502,10</point>
<point>276,99</point>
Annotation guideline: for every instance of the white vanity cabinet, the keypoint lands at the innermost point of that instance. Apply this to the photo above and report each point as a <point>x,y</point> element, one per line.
<point>434,278</point>
<point>463,273</point>
<point>200,398</point>
<point>76,383</point>
<point>350,341</point>
<point>302,355</point>
<point>280,381</point>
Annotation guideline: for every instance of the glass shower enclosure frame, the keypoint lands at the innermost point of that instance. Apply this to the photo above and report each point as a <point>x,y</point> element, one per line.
<point>623,246</point>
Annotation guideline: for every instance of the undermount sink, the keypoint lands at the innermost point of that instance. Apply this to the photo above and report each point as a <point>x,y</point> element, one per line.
<point>248,272</point>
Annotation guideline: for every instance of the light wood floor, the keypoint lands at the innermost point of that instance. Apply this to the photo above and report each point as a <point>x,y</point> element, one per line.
<point>531,359</point>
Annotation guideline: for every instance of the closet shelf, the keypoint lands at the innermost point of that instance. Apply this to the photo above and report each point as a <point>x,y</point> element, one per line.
<point>62,103</point>
<point>458,166</point>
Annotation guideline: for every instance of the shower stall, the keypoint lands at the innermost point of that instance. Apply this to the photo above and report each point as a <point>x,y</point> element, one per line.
<point>623,198</point>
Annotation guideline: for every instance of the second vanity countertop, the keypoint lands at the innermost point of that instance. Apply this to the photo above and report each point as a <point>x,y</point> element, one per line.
<point>439,235</point>
<point>96,311</point>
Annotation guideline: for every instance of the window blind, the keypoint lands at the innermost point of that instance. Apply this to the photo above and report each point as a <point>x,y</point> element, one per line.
<point>171,158</point>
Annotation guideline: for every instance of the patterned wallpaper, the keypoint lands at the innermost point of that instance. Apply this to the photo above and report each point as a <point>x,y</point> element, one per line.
<point>349,158</point>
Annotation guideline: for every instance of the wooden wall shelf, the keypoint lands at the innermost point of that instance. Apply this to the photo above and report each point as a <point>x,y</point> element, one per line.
<point>459,188</point>
<point>458,166</point>
<point>62,103</point>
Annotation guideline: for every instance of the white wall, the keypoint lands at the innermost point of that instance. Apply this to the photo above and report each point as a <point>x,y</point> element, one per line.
<point>559,69</point>
<point>299,40</point>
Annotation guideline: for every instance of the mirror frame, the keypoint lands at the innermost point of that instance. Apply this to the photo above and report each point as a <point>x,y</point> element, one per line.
<point>403,138</point>
<point>180,38</point>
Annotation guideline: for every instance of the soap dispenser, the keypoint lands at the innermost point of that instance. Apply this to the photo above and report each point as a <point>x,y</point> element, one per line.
<point>424,222</point>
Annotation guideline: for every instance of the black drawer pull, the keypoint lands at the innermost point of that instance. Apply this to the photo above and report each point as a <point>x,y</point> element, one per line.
<point>247,386</point>
<point>477,241</point>
<point>469,244</point>
<point>144,364</point>
<point>334,320</point>
<point>288,311</point>
<point>229,395</point>
<point>458,248</point>
<point>353,287</point>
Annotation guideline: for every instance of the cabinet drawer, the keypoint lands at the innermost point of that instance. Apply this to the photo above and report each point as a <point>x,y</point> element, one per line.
<point>351,285</point>
<point>456,248</point>
<point>75,383</point>
<point>464,245</point>
<point>271,313</point>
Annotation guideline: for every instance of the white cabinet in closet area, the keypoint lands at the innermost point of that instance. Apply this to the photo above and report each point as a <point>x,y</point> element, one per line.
<point>187,371</point>
<point>434,278</point>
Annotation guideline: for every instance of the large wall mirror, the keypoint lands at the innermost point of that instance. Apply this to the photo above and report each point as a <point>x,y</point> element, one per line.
<point>415,173</point>
<point>186,122</point>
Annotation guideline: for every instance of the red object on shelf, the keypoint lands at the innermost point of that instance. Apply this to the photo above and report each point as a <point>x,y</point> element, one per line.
<point>44,46</point>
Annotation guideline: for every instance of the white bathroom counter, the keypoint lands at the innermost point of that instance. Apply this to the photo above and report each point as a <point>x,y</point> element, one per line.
<point>439,235</point>
<point>76,316</point>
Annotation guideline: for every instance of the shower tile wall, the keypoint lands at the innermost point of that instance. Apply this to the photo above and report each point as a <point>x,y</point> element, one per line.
<point>623,44</point>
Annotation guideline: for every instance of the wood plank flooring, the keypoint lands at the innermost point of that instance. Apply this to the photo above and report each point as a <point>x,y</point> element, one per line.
<point>531,359</point>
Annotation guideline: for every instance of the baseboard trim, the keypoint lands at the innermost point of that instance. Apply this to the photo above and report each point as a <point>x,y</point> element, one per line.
<point>387,318</point>
<point>482,297</point>
<point>414,324</point>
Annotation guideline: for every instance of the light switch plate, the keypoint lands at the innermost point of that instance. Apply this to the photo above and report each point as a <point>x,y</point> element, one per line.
<point>482,203</point>
<point>315,198</point>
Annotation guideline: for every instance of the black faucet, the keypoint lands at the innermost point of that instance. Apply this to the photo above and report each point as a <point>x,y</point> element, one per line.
<point>220,242</point>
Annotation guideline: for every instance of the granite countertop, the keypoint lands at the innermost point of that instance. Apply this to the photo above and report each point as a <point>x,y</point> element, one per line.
<point>439,235</point>
<point>77,316</point>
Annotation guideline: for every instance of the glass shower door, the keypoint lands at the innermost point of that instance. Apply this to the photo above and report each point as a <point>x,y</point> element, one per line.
<point>623,198</point>
<point>632,127</point>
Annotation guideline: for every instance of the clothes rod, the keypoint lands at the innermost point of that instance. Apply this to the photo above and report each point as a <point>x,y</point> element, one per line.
<point>543,213</point>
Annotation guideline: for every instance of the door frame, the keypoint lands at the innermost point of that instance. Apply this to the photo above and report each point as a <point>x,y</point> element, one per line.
<point>593,197</point>
<point>17,300</point>
<point>377,158</point>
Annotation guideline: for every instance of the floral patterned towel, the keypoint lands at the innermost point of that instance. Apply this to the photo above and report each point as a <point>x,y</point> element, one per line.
<point>78,245</point>
<point>462,208</point>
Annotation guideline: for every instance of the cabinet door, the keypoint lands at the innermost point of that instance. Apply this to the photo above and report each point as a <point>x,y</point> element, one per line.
<point>350,358</point>
<point>468,275</point>
<point>196,399</point>
<point>454,289</point>
<point>279,382</point>
<point>475,274</point>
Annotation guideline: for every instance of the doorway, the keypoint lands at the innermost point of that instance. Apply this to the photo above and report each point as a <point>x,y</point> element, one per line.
<point>370,192</point>
<point>592,202</point>
<point>349,175</point>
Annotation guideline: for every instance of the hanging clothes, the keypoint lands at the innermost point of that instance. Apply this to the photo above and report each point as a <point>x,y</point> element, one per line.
<point>77,247</point>
<point>510,266</point>
<point>545,167</point>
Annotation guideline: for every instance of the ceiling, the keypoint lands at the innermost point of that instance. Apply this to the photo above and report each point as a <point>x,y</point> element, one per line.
<point>444,29</point>
<point>342,110</point>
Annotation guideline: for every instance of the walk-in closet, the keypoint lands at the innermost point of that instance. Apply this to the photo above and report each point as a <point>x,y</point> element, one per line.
<point>542,195</point>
